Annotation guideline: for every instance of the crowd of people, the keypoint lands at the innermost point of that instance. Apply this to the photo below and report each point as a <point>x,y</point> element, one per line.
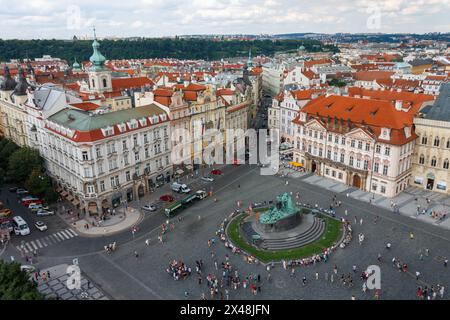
<point>178,270</point>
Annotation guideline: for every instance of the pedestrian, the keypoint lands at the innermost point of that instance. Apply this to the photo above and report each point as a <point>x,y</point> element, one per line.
<point>227,294</point>
<point>186,294</point>
<point>364,287</point>
<point>136,254</point>
<point>445,262</point>
<point>417,275</point>
<point>346,213</point>
<point>147,242</point>
<point>215,265</point>
<point>292,272</point>
<point>411,235</point>
<point>354,269</point>
<point>353,297</point>
<point>427,252</point>
<point>317,275</point>
<point>441,292</point>
<point>48,274</point>
<point>304,281</point>
<point>332,278</point>
<point>361,221</point>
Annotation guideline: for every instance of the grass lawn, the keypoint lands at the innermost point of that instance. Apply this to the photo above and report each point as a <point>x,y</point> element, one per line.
<point>332,234</point>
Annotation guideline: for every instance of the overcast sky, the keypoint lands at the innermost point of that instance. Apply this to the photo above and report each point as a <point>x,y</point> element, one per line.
<point>27,19</point>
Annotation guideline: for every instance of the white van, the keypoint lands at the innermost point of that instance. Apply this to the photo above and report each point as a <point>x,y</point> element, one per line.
<point>20,226</point>
<point>180,188</point>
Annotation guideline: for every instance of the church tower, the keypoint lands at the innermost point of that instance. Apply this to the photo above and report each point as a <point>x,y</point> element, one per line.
<point>99,75</point>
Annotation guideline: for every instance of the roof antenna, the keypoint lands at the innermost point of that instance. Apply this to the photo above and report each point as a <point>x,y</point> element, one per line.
<point>95,36</point>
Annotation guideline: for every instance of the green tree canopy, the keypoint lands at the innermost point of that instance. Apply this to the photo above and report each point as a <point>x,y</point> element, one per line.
<point>22,162</point>
<point>16,284</point>
<point>39,184</point>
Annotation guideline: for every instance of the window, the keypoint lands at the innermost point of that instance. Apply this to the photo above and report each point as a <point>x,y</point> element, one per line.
<point>320,152</point>
<point>421,159</point>
<point>327,171</point>
<point>383,189</point>
<point>378,148</point>
<point>352,143</point>
<point>425,140</point>
<point>321,136</point>
<point>350,161</point>
<point>343,141</point>
<point>147,154</point>
<point>124,145</point>
<point>436,142</point>
<point>90,188</point>
<point>136,156</point>
<point>128,175</point>
<point>367,147</point>
<point>315,134</point>
<point>359,144</point>
<point>340,176</point>
<point>102,186</point>
<point>145,138</point>
<point>93,83</point>
<point>448,143</point>
<point>385,170</point>
<point>104,83</point>
<point>84,155</point>
<point>366,165</point>
<point>445,165</point>
<point>433,162</point>
<point>335,157</point>
<point>98,152</point>
<point>330,137</point>
<point>329,154</point>
<point>342,158</point>
<point>358,163</point>
<point>376,167</point>
<point>336,139</point>
<point>309,148</point>
<point>387,151</point>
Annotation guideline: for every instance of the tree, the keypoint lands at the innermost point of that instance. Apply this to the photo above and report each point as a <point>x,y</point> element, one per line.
<point>7,147</point>
<point>16,284</point>
<point>22,162</point>
<point>39,184</point>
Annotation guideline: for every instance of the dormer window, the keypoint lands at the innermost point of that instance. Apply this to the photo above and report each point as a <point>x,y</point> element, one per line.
<point>108,131</point>
<point>407,132</point>
<point>385,134</point>
<point>133,124</point>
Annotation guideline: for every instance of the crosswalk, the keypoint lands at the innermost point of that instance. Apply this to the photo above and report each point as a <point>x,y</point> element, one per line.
<point>52,239</point>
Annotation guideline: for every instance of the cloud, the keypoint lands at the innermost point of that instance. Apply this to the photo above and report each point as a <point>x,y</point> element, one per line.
<point>50,18</point>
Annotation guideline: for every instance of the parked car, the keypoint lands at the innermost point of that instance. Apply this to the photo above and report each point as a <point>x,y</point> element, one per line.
<point>20,226</point>
<point>27,202</point>
<point>166,198</point>
<point>216,172</point>
<point>207,179</point>
<point>35,207</point>
<point>5,213</point>
<point>149,207</point>
<point>7,223</point>
<point>41,226</point>
<point>21,191</point>
<point>43,212</point>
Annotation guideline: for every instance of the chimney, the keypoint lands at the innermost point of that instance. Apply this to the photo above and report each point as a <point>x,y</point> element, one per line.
<point>398,105</point>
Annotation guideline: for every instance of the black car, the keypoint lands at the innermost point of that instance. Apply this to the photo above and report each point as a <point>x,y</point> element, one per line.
<point>13,189</point>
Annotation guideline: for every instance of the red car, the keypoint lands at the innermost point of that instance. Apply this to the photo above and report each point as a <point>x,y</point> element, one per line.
<point>216,172</point>
<point>166,198</point>
<point>27,202</point>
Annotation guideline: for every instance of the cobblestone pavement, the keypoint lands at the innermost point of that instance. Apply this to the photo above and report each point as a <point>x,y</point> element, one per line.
<point>56,287</point>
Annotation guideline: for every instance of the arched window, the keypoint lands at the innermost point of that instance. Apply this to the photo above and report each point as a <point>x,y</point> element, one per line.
<point>93,83</point>
<point>104,83</point>
<point>421,159</point>
<point>436,142</point>
<point>445,165</point>
<point>424,140</point>
<point>448,143</point>
<point>433,162</point>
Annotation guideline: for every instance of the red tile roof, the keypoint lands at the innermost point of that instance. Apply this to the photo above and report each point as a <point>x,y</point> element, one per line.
<point>372,75</point>
<point>365,113</point>
<point>130,83</point>
<point>309,64</point>
<point>86,106</point>
<point>305,94</point>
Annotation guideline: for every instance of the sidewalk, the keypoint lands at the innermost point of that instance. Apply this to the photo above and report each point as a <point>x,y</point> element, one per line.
<point>405,201</point>
<point>120,222</point>
<point>56,286</point>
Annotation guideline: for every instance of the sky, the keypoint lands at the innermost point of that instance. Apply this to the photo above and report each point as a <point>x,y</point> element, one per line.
<point>62,19</point>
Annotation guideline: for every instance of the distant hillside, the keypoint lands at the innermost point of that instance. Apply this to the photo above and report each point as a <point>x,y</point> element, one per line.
<point>152,48</point>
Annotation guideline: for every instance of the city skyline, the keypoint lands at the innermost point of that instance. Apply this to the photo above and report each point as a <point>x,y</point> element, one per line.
<point>156,18</point>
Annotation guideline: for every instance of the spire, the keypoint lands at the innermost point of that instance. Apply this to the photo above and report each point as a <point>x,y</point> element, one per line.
<point>97,59</point>
<point>250,59</point>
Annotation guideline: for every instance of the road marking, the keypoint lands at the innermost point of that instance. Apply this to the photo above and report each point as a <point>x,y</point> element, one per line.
<point>28,247</point>
<point>59,235</point>
<point>39,243</point>
<point>65,235</point>
<point>55,238</point>
<point>72,232</point>
<point>34,245</point>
